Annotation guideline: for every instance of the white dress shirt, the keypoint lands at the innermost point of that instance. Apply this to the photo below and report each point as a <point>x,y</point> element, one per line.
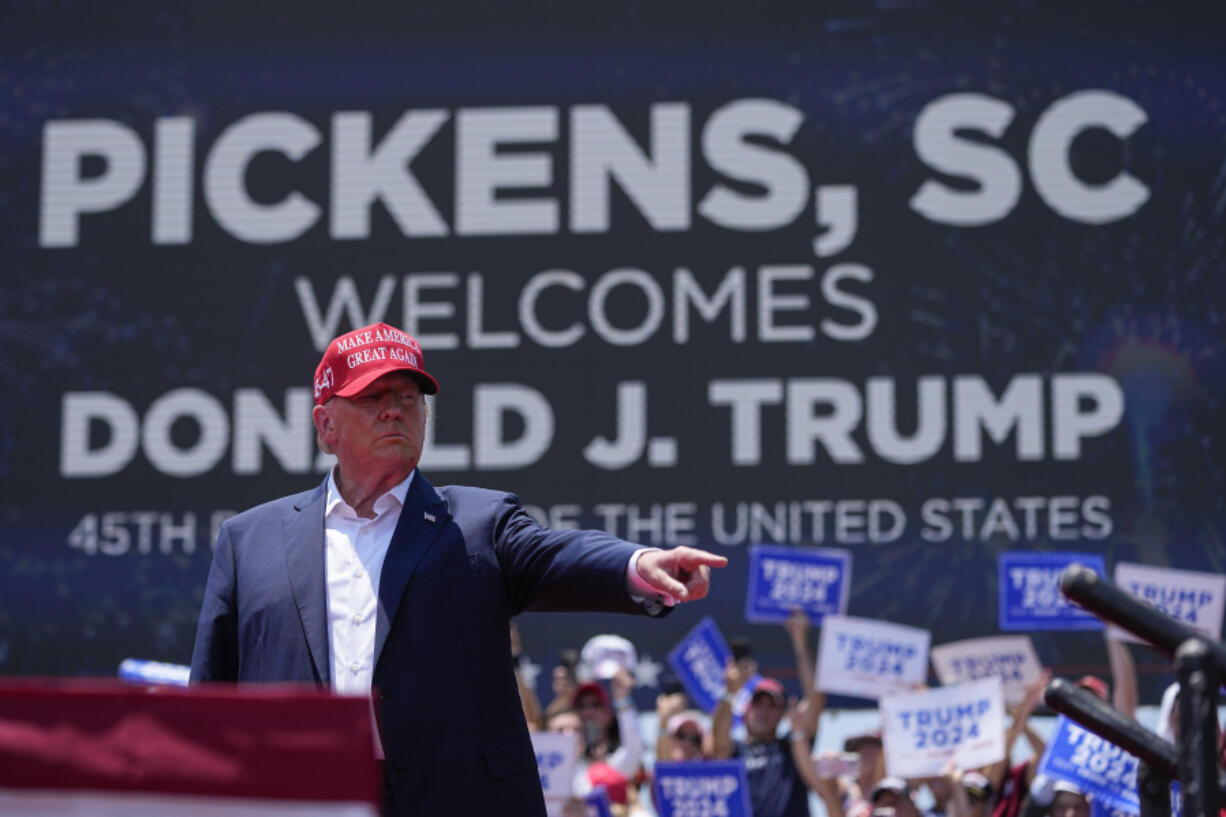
<point>354,548</point>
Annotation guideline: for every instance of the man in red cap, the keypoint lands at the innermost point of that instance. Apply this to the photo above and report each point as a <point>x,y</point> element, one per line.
<point>376,580</point>
<point>775,787</point>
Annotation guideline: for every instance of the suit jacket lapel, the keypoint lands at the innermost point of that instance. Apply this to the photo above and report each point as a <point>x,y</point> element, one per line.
<point>304,561</point>
<point>424,514</point>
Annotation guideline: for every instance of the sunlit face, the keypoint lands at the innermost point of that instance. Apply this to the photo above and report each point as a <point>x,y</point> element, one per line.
<point>763,716</point>
<point>687,743</point>
<point>382,427</point>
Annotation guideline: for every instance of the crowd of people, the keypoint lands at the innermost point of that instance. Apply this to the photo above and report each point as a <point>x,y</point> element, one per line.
<point>776,743</point>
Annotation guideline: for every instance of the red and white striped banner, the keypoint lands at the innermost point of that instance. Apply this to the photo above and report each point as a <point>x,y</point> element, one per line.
<point>103,747</point>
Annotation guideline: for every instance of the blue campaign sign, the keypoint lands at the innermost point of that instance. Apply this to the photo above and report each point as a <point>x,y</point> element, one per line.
<point>598,804</point>
<point>699,661</point>
<point>716,787</point>
<point>783,578</point>
<point>1098,767</point>
<point>1029,591</point>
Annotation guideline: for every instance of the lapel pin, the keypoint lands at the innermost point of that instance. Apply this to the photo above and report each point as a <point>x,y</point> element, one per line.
<point>430,517</point>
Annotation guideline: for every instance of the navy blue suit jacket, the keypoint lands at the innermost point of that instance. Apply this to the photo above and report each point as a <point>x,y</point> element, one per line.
<point>461,562</point>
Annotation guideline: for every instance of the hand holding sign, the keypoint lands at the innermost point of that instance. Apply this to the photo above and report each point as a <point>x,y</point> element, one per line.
<point>1030,699</point>
<point>738,673</point>
<point>700,661</point>
<point>682,574</point>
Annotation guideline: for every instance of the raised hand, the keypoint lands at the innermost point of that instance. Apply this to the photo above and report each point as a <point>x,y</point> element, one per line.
<point>798,714</point>
<point>669,704</point>
<point>797,626</point>
<point>1034,693</point>
<point>622,684</point>
<point>738,673</point>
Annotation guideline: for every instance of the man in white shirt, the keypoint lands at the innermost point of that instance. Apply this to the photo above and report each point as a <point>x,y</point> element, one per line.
<point>375,579</point>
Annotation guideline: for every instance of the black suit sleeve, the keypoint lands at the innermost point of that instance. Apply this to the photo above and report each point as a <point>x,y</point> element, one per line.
<point>548,569</point>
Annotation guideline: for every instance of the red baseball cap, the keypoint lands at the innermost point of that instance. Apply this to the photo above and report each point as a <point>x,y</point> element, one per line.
<point>356,359</point>
<point>593,688</point>
<point>614,782</point>
<point>1096,685</point>
<point>771,687</point>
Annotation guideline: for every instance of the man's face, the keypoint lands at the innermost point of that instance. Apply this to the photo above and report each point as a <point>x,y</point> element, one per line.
<point>763,716</point>
<point>687,743</point>
<point>381,427</point>
<point>1067,804</point>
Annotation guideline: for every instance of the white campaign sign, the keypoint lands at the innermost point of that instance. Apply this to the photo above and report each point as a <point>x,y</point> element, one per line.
<point>923,731</point>
<point>868,658</point>
<point>555,760</point>
<point>1009,657</point>
<point>1195,598</point>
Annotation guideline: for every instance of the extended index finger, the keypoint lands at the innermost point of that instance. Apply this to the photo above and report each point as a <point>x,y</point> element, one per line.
<point>692,557</point>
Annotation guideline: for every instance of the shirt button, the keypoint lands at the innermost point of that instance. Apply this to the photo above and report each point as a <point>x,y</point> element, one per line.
<point>357,618</point>
<point>359,573</point>
<point>355,666</point>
